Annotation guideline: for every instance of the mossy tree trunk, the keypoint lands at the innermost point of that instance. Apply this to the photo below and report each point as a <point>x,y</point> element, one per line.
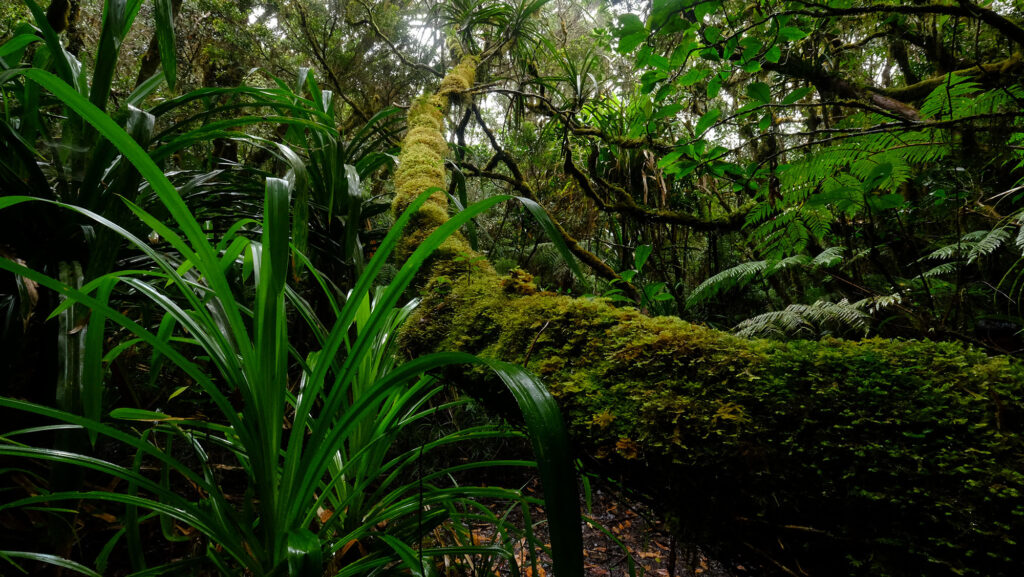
<point>834,457</point>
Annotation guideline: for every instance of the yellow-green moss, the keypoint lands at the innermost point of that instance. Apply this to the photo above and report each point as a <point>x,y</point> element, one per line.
<point>428,137</point>
<point>520,282</point>
<point>460,79</point>
<point>421,165</point>
<point>819,434</point>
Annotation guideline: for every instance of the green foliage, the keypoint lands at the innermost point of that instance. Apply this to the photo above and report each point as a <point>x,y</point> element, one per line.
<point>352,401</point>
<point>742,274</point>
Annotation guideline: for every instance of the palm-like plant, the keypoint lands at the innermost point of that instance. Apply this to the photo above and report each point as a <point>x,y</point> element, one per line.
<point>349,403</point>
<point>57,155</point>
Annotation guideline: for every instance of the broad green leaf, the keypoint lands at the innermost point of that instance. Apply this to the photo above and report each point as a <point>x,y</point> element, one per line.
<point>670,158</point>
<point>663,11</point>
<point>714,86</point>
<point>703,8</point>
<point>706,122</point>
<point>751,67</point>
<point>760,92</point>
<point>630,24</point>
<point>17,44</point>
<point>667,111</point>
<point>629,41</point>
<point>797,95</point>
<point>751,48</point>
<point>710,54</point>
<point>693,76</point>
<point>650,78</point>
<point>642,253</point>
<point>790,33</point>
<point>680,54</point>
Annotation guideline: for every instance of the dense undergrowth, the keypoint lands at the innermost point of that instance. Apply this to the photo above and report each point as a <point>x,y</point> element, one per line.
<point>220,295</point>
<point>301,394</point>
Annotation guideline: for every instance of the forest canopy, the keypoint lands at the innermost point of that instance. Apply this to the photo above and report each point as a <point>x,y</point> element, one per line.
<point>249,247</point>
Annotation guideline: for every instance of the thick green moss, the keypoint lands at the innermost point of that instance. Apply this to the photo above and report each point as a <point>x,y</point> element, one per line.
<point>876,457</point>
<point>421,163</point>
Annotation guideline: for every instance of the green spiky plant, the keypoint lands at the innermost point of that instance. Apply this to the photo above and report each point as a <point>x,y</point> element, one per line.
<point>348,405</point>
<point>52,153</point>
<point>77,165</point>
<point>328,167</point>
<point>56,155</point>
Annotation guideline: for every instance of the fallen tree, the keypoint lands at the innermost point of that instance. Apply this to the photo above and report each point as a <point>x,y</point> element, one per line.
<point>826,458</point>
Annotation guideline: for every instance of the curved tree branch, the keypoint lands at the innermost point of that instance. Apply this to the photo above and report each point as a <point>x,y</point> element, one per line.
<point>369,21</point>
<point>518,181</point>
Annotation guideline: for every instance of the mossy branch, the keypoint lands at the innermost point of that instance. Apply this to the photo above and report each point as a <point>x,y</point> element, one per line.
<point>421,162</point>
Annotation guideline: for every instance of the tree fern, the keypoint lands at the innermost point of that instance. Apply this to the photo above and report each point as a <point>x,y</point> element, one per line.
<point>843,178</point>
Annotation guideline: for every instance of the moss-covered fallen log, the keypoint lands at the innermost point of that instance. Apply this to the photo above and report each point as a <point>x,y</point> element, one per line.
<point>835,458</point>
<point>824,458</point>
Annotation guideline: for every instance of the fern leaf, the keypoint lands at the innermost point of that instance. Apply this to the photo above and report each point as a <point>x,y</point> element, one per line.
<point>942,269</point>
<point>729,278</point>
<point>798,320</point>
<point>829,257</point>
<point>988,243</point>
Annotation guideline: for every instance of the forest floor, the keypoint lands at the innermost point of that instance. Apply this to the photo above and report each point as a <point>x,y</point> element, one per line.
<point>625,538</point>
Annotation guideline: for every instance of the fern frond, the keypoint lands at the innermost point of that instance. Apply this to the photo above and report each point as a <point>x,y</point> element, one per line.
<point>877,303</point>
<point>953,95</point>
<point>989,243</point>
<point>944,253</point>
<point>942,269</point>
<point>829,257</point>
<point>776,324</point>
<point>790,261</point>
<point>729,278</point>
<point>797,320</point>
